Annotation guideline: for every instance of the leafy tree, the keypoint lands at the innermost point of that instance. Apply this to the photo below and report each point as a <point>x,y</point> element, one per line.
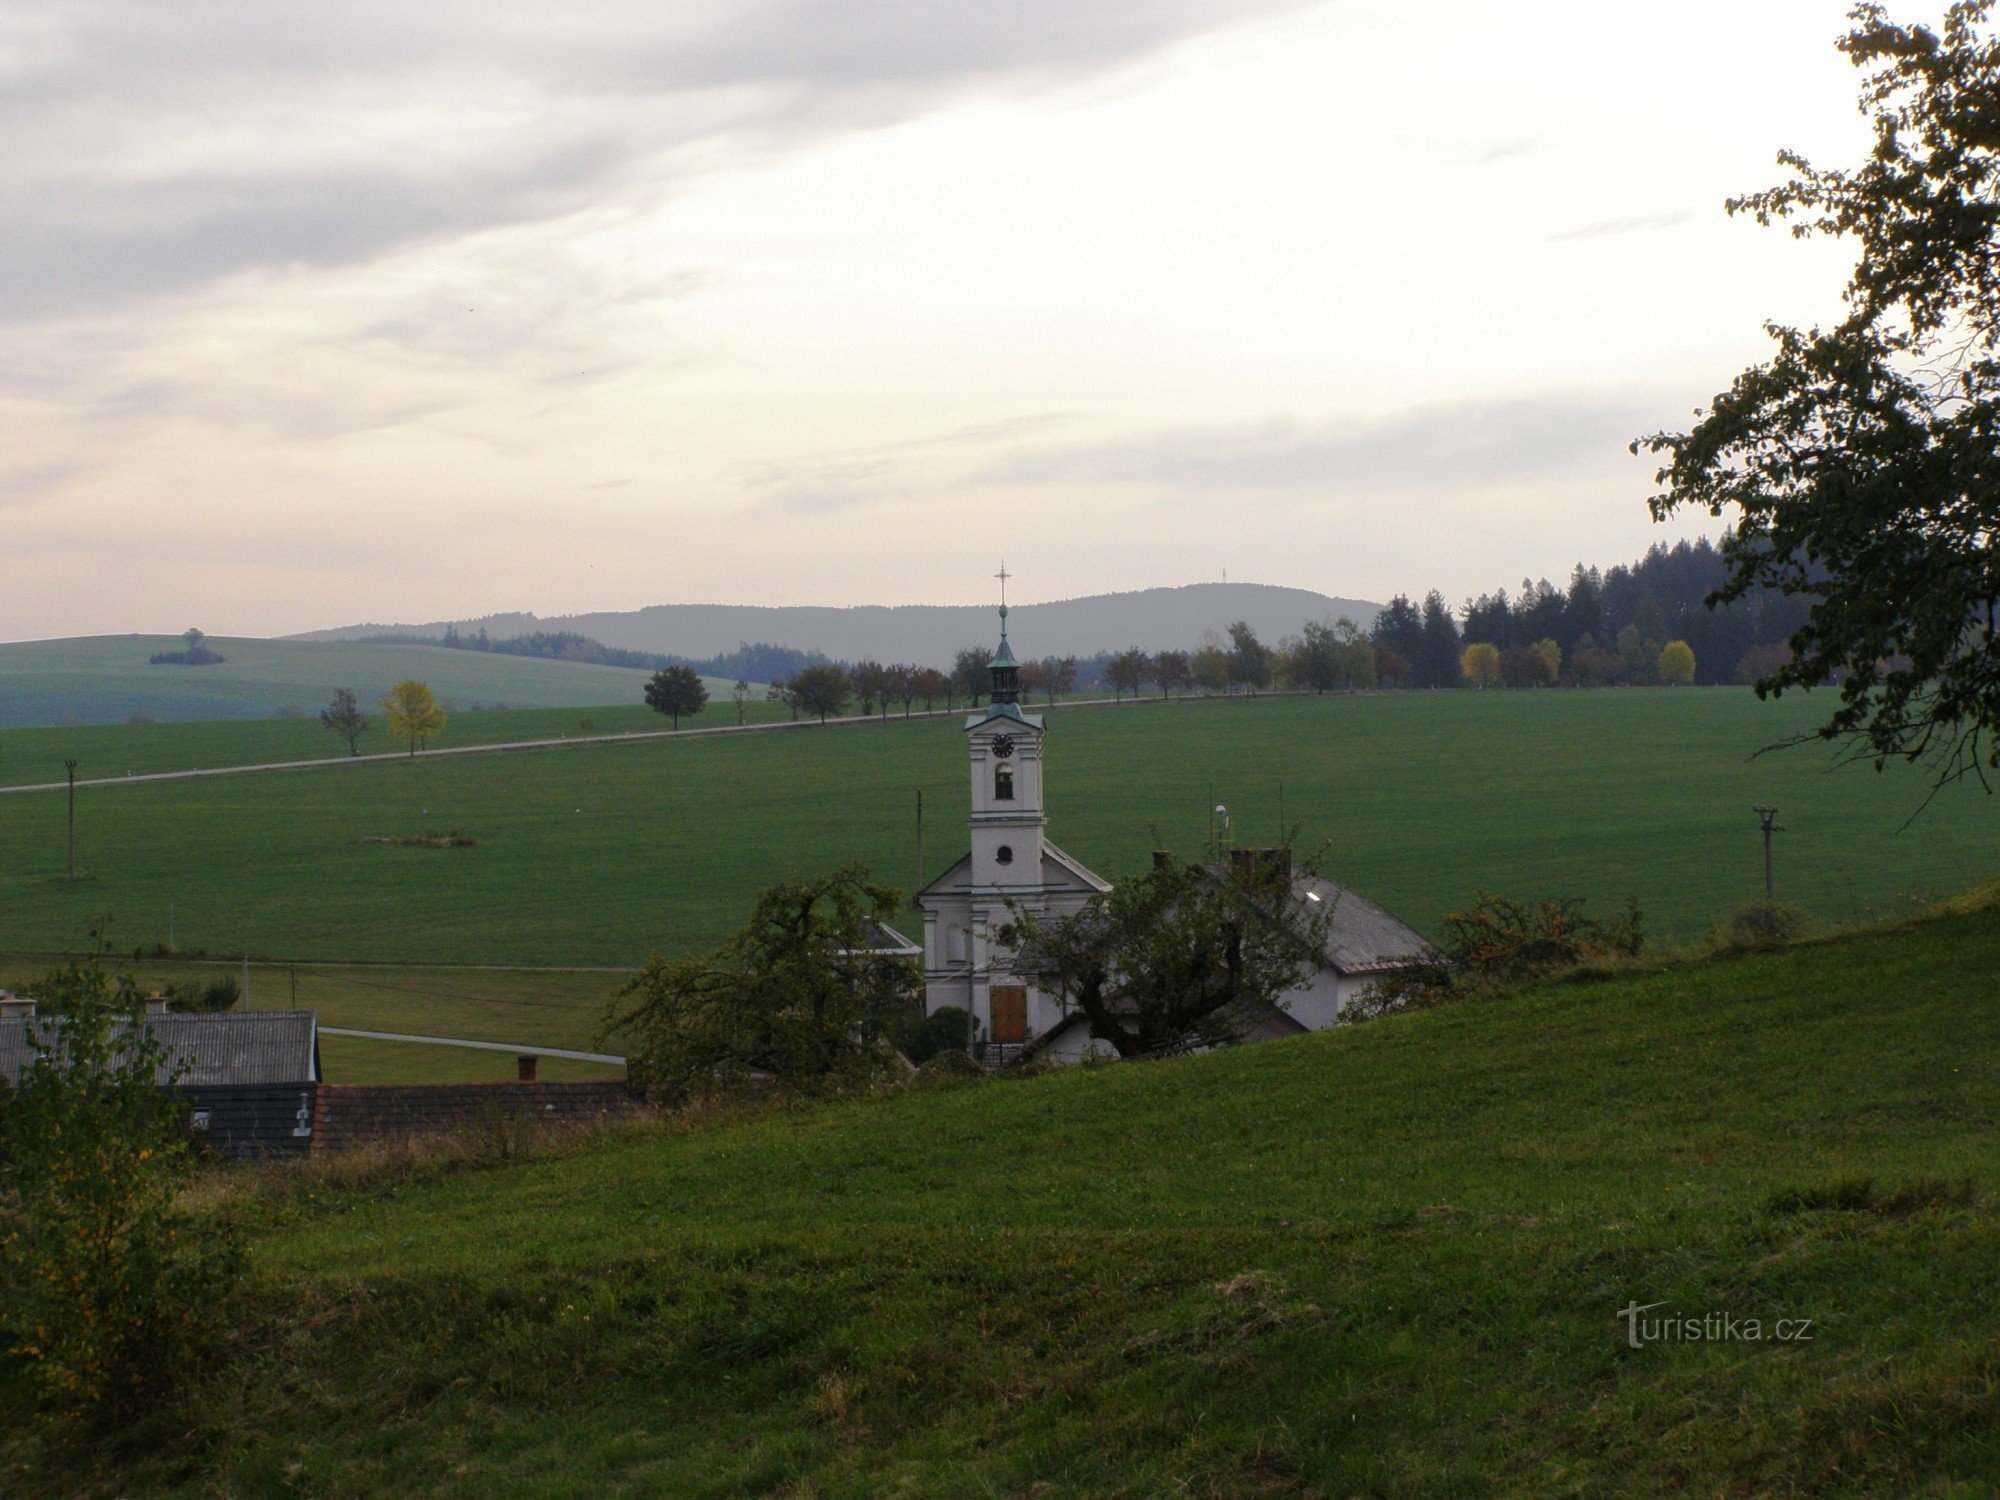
<point>930,685</point>
<point>112,1293</point>
<point>741,694</point>
<point>1676,664</point>
<point>1249,658</point>
<point>344,717</point>
<point>414,716</point>
<point>1862,458</point>
<point>1060,675</point>
<point>1127,671</point>
<point>1166,960</point>
<point>797,994</point>
<point>1392,668</point>
<point>1640,656</point>
<point>902,684</point>
<point>970,672</point>
<point>677,692</point>
<point>782,691</point>
<point>194,638</point>
<point>822,690</point>
<point>1315,658</point>
<point>1209,665</point>
<point>1480,665</point>
<point>1171,670</point>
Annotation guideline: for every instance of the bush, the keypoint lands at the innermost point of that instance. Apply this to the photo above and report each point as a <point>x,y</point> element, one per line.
<point>1758,925</point>
<point>921,1038</point>
<point>216,995</point>
<point>112,1296</point>
<point>947,1069</point>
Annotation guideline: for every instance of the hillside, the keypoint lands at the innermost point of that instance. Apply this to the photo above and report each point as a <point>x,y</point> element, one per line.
<point>104,679</point>
<point>927,634</point>
<point>601,855</point>
<point>1387,1260</point>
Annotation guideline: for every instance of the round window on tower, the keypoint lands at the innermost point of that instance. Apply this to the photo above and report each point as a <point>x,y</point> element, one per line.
<point>1004,854</point>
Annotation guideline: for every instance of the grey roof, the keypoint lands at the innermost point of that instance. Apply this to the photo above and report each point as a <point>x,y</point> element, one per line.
<point>1003,711</point>
<point>1060,872</point>
<point>1362,938</point>
<point>882,938</point>
<point>233,1048</point>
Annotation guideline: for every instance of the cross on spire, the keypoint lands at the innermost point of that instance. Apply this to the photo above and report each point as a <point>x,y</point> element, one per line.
<point>1003,575</point>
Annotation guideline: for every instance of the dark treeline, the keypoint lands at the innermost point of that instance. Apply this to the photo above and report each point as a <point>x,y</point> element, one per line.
<point>1608,626</point>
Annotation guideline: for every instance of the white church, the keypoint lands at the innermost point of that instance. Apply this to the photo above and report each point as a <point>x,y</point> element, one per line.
<point>1012,863</point>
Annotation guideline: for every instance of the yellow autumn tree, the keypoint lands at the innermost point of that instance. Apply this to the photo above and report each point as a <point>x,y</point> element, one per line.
<point>1677,664</point>
<point>1552,661</point>
<point>1479,664</point>
<point>414,716</point>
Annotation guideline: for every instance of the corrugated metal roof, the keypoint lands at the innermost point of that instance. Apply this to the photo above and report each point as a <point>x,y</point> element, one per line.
<point>259,1046</point>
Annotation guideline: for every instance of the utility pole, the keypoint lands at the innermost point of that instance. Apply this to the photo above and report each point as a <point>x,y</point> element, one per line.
<point>70,766</point>
<point>246,982</point>
<point>1767,819</point>
<point>918,883</point>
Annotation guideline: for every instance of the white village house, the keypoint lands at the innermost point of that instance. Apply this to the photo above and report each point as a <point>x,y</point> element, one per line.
<point>1012,863</point>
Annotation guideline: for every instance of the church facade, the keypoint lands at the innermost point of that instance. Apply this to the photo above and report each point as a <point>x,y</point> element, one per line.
<point>1010,865</point>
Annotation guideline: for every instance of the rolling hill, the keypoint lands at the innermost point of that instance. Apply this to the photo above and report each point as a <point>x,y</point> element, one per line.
<point>105,679</point>
<point>927,634</point>
<point>1391,1259</point>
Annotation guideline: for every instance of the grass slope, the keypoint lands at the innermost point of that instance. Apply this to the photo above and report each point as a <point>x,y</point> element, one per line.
<point>1383,1260</point>
<point>103,679</point>
<point>600,855</point>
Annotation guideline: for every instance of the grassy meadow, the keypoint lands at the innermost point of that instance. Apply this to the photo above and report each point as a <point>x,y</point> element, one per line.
<point>1388,1259</point>
<point>601,855</point>
<point>104,679</point>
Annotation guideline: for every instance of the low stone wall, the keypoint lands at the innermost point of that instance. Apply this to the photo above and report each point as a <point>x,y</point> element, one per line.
<point>347,1115</point>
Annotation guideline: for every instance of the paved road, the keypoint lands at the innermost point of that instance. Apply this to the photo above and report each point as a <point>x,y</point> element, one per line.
<point>452,1041</point>
<point>558,744</point>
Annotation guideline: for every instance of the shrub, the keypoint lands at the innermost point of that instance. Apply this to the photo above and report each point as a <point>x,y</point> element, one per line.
<point>921,1038</point>
<point>218,994</point>
<point>1758,925</point>
<point>112,1296</point>
<point>947,1069</point>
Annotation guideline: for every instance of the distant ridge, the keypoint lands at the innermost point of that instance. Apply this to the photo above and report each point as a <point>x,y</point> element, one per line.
<point>924,634</point>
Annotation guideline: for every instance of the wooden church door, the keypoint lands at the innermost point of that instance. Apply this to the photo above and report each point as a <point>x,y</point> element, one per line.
<point>1010,1013</point>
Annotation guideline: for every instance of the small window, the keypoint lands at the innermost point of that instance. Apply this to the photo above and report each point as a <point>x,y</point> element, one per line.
<point>1004,854</point>
<point>1003,784</point>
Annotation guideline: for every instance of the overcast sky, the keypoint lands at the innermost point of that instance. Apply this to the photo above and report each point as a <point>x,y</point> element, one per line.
<point>316,313</point>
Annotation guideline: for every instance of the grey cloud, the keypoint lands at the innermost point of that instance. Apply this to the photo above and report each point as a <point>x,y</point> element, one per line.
<point>563,105</point>
<point>1468,443</point>
<point>1628,224</point>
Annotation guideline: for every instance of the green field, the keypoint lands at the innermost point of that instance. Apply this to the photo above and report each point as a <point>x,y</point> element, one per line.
<point>1384,1260</point>
<point>104,679</point>
<point>32,757</point>
<point>601,855</point>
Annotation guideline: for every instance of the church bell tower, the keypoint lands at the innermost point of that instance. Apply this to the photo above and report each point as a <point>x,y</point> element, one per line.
<point>1004,747</point>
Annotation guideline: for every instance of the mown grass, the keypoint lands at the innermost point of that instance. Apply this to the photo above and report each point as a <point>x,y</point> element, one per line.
<point>1387,1260</point>
<point>602,855</point>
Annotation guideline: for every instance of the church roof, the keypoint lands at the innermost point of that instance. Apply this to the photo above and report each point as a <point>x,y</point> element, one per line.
<point>1060,872</point>
<point>1003,711</point>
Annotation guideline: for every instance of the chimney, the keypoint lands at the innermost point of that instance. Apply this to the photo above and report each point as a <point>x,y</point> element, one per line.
<point>156,1005</point>
<point>524,1067</point>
